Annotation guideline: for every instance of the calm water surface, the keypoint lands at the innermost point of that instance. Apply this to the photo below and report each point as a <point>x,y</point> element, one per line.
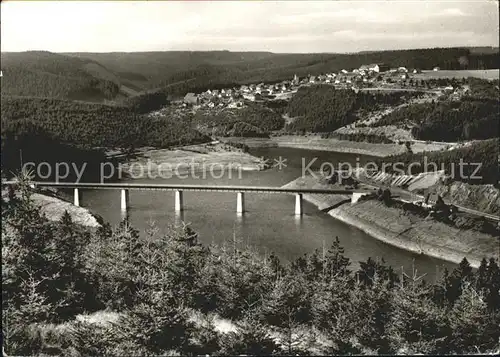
<point>269,223</point>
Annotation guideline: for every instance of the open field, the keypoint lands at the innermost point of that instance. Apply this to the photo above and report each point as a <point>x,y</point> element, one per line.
<point>489,74</point>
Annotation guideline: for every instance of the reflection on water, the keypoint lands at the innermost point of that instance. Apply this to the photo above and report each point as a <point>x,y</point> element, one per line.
<point>268,223</point>
<point>179,217</point>
<point>298,220</point>
<point>124,215</point>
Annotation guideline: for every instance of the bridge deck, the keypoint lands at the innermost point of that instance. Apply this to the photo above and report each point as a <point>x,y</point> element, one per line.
<point>206,188</point>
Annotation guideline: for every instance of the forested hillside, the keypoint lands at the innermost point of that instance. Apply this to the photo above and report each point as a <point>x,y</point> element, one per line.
<point>184,72</point>
<point>164,293</point>
<point>473,116</point>
<point>46,74</point>
<point>468,119</point>
<point>477,88</point>
<point>42,128</point>
<point>146,102</point>
<point>99,76</point>
<point>253,120</point>
<point>322,108</point>
<point>96,125</point>
<point>25,141</point>
<point>68,290</point>
<point>480,155</point>
<point>149,69</point>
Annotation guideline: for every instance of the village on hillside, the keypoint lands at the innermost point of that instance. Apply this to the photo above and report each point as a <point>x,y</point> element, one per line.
<point>377,76</point>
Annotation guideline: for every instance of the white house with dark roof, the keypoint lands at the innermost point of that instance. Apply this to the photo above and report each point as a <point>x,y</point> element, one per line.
<point>374,67</point>
<point>378,67</point>
<point>191,98</point>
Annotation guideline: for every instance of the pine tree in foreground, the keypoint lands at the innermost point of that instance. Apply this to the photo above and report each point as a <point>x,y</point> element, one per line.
<point>250,338</point>
<point>417,324</point>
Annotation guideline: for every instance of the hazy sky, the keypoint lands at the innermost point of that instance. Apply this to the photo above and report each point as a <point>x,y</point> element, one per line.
<point>277,26</point>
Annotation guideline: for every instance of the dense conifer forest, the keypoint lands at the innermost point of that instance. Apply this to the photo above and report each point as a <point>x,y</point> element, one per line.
<point>25,141</point>
<point>254,120</point>
<point>194,71</point>
<point>94,125</point>
<point>100,76</point>
<point>481,155</point>
<point>53,130</point>
<point>168,292</point>
<point>146,102</point>
<point>322,108</point>
<point>468,119</point>
<point>472,117</point>
<point>46,74</point>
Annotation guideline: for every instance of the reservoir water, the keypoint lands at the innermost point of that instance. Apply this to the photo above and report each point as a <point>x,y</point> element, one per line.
<point>269,224</point>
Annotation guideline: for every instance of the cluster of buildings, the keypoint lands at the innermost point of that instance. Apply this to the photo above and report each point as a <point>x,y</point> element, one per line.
<point>235,97</point>
<point>215,98</point>
<point>230,97</point>
<point>374,74</point>
<point>366,75</point>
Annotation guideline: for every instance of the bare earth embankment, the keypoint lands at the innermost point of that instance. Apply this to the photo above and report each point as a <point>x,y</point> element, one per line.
<point>166,163</point>
<point>54,208</point>
<point>419,235</point>
<point>315,142</point>
<point>406,230</point>
<point>482,198</point>
<point>322,201</point>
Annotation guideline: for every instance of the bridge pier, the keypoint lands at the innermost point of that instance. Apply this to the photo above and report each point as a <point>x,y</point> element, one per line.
<point>298,204</point>
<point>240,202</point>
<point>179,190</point>
<point>179,202</point>
<point>124,199</point>
<point>76,197</point>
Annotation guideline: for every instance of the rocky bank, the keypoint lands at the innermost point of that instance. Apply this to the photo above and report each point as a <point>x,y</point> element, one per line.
<point>404,229</point>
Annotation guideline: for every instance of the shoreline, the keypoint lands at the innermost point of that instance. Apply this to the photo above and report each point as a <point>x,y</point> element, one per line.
<point>315,142</point>
<point>413,234</point>
<point>166,163</point>
<point>391,238</point>
<point>386,224</point>
<point>53,205</point>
